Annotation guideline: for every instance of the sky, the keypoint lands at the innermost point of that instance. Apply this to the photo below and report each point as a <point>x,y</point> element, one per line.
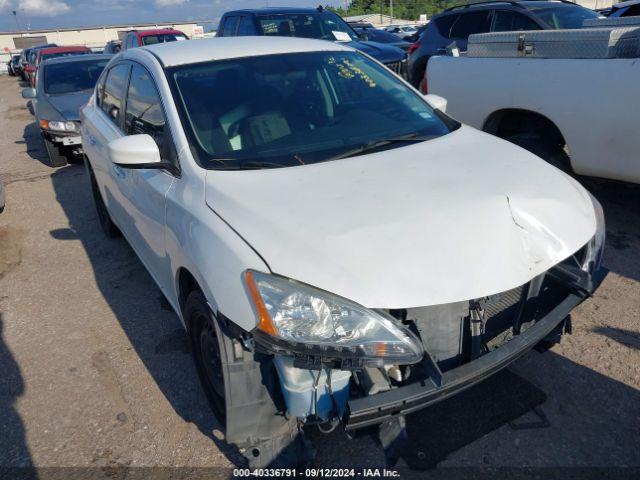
<point>45,14</point>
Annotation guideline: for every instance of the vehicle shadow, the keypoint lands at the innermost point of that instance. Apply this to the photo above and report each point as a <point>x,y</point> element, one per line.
<point>154,330</point>
<point>14,451</point>
<point>621,205</point>
<point>35,144</point>
<point>621,335</point>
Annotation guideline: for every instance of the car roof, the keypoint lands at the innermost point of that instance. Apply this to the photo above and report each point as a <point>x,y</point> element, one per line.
<point>79,58</point>
<point>626,4</point>
<point>275,10</point>
<point>172,54</point>
<point>70,48</point>
<point>155,31</point>
<point>508,4</point>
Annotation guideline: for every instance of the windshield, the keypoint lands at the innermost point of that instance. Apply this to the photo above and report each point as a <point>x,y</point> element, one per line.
<point>293,109</point>
<point>565,16</point>
<point>69,77</point>
<point>162,38</point>
<point>323,26</point>
<point>62,54</point>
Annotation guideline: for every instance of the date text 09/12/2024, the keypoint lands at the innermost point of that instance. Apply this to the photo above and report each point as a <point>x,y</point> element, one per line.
<point>316,472</point>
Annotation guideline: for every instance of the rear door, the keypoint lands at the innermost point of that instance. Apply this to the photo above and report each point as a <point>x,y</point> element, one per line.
<point>101,125</point>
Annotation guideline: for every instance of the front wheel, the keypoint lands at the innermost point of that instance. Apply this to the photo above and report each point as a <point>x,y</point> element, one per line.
<point>207,350</point>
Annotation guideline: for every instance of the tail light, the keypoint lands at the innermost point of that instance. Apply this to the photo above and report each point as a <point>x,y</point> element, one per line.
<point>424,84</point>
<point>413,47</point>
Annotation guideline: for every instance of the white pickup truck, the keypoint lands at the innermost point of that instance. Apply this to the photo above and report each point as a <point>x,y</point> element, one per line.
<point>571,98</point>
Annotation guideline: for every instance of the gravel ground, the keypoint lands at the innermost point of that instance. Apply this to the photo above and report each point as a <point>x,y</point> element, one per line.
<point>95,369</point>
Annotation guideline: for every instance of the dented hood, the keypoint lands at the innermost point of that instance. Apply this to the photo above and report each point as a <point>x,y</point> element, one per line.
<point>454,218</point>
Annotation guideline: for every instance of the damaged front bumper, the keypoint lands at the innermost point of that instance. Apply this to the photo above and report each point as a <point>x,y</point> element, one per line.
<point>375,409</point>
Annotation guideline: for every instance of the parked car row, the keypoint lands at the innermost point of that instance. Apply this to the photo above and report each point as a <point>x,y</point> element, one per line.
<point>307,214</point>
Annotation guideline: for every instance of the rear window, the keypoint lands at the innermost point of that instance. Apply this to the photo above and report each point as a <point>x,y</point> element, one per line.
<point>565,16</point>
<point>69,77</point>
<point>162,38</point>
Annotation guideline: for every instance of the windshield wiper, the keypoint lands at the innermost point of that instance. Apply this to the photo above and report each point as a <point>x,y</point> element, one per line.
<point>367,147</point>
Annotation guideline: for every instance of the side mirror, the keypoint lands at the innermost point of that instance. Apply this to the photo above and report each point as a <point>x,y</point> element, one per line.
<point>28,93</point>
<point>135,151</point>
<point>437,102</point>
<point>364,37</point>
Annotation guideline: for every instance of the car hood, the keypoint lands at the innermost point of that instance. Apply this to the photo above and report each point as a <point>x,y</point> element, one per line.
<point>459,217</point>
<point>384,53</point>
<point>68,105</point>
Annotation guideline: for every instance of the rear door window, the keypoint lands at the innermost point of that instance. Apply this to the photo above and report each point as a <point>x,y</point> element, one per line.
<point>229,27</point>
<point>632,11</point>
<point>113,92</point>
<point>445,23</point>
<point>470,23</point>
<point>246,27</point>
<point>506,21</point>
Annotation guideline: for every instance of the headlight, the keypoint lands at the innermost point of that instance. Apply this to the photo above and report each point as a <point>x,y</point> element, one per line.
<point>58,126</point>
<point>304,320</point>
<point>595,247</point>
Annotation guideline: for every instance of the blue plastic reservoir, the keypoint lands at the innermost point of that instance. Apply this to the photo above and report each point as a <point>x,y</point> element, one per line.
<point>297,388</point>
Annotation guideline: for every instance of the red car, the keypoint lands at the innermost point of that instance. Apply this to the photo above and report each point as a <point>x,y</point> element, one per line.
<point>52,52</point>
<point>139,38</point>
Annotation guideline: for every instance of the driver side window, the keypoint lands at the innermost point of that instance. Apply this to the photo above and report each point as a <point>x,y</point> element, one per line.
<point>144,113</point>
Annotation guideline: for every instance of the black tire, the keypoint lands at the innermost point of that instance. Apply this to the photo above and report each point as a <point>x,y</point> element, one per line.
<point>207,350</point>
<point>548,151</point>
<point>55,158</point>
<point>106,224</point>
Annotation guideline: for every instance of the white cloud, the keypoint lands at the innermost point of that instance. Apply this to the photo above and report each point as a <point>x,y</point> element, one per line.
<point>169,3</point>
<point>43,8</point>
<point>3,4</point>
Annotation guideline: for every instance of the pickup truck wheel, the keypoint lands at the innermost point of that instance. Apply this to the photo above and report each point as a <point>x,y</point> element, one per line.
<point>548,151</point>
<point>205,341</point>
<point>108,227</point>
<point>55,158</point>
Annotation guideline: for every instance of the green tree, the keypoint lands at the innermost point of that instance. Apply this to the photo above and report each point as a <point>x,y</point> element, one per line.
<point>404,9</point>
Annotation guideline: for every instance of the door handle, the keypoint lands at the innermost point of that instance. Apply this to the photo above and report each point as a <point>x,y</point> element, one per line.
<point>92,140</point>
<point>120,173</point>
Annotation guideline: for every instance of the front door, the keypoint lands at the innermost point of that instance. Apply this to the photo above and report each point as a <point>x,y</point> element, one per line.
<point>146,189</point>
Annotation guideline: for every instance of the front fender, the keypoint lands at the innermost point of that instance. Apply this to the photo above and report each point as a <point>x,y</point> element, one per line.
<point>198,240</point>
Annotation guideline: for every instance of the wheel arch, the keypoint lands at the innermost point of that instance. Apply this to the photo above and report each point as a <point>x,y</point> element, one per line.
<point>510,121</point>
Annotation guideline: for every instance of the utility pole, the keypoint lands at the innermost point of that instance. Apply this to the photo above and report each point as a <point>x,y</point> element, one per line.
<point>391,10</point>
<point>15,16</point>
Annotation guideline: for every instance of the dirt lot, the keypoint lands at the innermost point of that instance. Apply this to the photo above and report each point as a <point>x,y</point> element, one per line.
<point>95,370</point>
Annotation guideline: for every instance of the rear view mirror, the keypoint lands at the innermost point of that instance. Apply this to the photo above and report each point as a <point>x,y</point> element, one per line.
<point>28,93</point>
<point>135,151</point>
<point>437,102</point>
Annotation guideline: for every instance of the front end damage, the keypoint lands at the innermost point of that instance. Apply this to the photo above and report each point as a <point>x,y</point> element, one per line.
<point>463,343</point>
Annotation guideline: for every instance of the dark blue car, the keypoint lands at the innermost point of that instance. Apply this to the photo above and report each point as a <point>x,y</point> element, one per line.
<point>307,23</point>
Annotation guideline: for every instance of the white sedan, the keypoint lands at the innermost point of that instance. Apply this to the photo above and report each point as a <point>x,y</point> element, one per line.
<point>336,246</point>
